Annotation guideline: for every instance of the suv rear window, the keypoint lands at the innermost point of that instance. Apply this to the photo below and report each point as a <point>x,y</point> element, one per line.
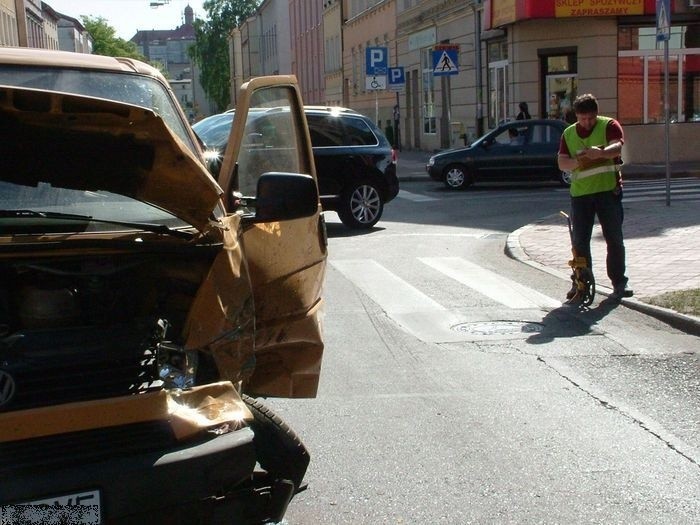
<point>334,130</point>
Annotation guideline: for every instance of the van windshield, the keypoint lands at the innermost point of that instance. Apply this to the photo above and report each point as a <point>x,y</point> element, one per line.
<point>130,88</point>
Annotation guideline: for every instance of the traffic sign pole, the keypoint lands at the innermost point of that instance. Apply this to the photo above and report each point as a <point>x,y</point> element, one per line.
<point>663,33</point>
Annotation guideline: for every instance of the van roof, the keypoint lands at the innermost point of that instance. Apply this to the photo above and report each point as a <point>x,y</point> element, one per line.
<point>45,57</point>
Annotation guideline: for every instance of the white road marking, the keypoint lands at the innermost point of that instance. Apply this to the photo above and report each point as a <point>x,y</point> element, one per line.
<point>488,283</point>
<point>415,197</point>
<point>386,289</point>
<point>423,317</point>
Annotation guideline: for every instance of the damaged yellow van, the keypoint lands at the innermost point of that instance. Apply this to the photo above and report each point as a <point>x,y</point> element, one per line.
<point>146,307</point>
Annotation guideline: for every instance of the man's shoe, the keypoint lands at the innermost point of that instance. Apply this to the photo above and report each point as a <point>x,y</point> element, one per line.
<point>620,291</point>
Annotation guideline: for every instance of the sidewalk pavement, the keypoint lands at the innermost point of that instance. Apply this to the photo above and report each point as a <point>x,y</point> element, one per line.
<point>662,242</point>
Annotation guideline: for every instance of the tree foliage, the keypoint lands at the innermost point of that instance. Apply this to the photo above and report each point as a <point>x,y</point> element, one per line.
<point>105,41</point>
<point>211,49</point>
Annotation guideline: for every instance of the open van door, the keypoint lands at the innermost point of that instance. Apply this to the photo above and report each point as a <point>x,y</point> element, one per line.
<point>267,164</point>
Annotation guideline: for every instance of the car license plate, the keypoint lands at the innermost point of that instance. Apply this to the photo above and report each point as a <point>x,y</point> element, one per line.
<point>80,508</point>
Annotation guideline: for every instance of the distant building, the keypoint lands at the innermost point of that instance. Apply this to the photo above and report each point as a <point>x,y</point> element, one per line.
<point>261,45</point>
<point>185,96</point>
<point>33,25</point>
<point>72,35</point>
<point>51,20</point>
<point>9,35</point>
<point>169,47</point>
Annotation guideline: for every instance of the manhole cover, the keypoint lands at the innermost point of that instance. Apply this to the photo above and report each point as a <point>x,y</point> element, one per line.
<point>499,328</point>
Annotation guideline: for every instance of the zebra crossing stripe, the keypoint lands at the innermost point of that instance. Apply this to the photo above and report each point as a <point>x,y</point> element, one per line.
<point>390,292</point>
<point>415,312</point>
<point>415,197</point>
<point>488,283</point>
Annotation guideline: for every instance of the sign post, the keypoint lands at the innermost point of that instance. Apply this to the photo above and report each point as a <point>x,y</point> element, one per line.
<point>376,67</point>
<point>663,34</point>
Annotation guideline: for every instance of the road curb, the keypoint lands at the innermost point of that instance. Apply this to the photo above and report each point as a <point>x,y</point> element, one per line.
<point>683,322</point>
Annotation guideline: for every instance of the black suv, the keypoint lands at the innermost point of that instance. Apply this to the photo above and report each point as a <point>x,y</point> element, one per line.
<point>355,164</point>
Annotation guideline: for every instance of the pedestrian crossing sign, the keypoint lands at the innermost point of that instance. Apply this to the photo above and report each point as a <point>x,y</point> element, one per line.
<point>445,61</point>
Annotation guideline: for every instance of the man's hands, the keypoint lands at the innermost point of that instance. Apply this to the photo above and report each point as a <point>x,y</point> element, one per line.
<point>590,157</point>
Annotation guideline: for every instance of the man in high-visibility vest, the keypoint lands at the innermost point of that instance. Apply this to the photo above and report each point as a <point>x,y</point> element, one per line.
<point>591,150</point>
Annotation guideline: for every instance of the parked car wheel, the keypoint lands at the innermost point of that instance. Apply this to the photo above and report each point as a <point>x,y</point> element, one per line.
<point>361,205</point>
<point>565,178</point>
<point>456,177</point>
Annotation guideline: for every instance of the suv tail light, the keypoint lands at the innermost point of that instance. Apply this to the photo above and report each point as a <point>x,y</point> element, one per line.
<point>394,155</point>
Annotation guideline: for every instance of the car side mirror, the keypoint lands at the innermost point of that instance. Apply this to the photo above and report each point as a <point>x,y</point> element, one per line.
<point>285,196</point>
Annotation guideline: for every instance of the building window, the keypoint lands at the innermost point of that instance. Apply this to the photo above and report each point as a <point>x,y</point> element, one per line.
<point>355,71</point>
<point>560,83</point>
<point>641,70</point>
<point>497,82</point>
<point>428,93</point>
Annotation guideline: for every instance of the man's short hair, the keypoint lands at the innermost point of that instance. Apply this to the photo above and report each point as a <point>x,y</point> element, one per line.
<point>585,104</point>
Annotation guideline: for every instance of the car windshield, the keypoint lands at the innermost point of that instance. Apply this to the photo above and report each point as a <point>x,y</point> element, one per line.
<point>102,205</point>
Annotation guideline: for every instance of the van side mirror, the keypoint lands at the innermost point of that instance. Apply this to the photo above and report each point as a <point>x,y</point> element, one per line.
<point>285,196</point>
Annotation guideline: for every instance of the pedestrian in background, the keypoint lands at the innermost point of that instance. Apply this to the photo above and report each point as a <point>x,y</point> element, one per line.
<point>589,149</point>
<point>524,113</point>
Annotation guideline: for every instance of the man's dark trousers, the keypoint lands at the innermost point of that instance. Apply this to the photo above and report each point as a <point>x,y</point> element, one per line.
<point>607,206</point>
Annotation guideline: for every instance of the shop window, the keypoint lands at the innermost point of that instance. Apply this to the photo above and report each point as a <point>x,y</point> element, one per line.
<point>428,93</point>
<point>497,52</point>
<point>560,82</point>
<point>641,69</point>
<point>498,93</point>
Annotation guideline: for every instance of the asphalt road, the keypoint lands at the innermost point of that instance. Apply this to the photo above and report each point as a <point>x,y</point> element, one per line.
<point>457,389</point>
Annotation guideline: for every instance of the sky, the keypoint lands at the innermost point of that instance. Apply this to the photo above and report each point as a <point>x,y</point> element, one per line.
<point>129,16</point>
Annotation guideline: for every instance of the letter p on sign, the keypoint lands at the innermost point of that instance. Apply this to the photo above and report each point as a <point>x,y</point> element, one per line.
<point>377,60</point>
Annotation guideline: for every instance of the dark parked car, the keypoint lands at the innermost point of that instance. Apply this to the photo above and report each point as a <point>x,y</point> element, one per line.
<point>355,164</point>
<point>516,151</point>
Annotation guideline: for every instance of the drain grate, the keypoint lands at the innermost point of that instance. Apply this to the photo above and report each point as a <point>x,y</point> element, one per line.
<point>499,328</point>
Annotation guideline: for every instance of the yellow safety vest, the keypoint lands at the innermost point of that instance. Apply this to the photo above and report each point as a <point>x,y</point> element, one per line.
<point>596,176</point>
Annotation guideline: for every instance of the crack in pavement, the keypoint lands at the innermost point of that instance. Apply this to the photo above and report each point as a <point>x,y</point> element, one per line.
<point>647,424</point>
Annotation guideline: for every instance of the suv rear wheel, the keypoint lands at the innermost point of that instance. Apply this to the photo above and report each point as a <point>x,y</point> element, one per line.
<point>361,205</point>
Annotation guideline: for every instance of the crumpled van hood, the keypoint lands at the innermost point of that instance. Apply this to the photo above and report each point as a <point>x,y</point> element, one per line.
<point>84,143</point>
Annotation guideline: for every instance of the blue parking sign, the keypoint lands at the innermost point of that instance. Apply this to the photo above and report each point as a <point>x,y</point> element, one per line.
<point>397,78</point>
<point>376,61</point>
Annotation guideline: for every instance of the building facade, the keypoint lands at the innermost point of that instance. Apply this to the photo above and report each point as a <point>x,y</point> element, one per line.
<point>439,110</point>
<point>9,33</point>
<point>50,30</point>
<point>32,23</point>
<point>369,24</point>
<point>169,47</point>
<point>547,53</point>
<point>306,29</point>
<point>261,45</point>
<point>333,52</point>
<point>72,36</point>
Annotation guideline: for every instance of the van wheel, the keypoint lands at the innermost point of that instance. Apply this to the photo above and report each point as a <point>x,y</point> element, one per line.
<point>361,205</point>
<point>279,449</point>
<point>457,177</point>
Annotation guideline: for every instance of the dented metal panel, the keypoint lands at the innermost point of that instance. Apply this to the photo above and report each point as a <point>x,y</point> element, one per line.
<point>92,144</point>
